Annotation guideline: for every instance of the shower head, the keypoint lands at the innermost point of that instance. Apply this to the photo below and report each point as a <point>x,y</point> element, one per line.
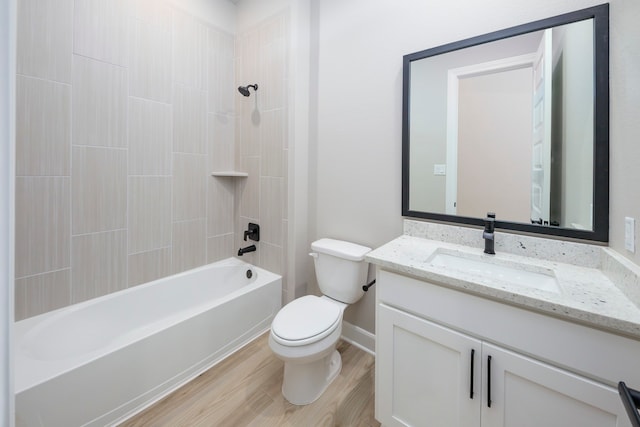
<point>244,90</point>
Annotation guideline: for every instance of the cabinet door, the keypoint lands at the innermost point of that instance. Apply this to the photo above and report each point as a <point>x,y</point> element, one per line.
<point>423,373</point>
<point>528,393</point>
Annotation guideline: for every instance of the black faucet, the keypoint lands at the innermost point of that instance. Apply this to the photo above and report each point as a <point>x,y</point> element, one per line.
<point>243,251</point>
<point>253,232</point>
<point>488,233</point>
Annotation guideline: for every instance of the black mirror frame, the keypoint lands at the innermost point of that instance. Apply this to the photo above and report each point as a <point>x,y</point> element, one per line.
<point>600,232</point>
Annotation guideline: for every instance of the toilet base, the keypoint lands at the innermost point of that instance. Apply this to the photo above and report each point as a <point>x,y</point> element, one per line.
<point>304,383</point>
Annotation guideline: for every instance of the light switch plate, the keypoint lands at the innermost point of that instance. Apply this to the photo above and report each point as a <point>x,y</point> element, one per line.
<point>439,169</point>
<point>630,234</point>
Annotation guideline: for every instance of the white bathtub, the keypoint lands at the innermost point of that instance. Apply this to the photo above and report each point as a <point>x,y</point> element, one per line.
<point>98,362</point>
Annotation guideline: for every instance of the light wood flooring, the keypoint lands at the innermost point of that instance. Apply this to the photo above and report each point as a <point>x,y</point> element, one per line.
<point>245,390</point>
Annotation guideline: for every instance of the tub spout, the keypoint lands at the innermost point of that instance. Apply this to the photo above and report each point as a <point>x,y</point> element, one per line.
<point>243,251</point>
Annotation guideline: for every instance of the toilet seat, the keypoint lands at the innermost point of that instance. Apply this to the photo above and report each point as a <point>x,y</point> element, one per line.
<point>305,320</point>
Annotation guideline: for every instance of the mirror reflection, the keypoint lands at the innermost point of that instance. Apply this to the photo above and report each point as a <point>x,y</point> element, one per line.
<point>505,126</point>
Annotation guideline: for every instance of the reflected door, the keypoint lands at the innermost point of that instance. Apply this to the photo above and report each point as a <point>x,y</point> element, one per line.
<point>494,144</point>
<point>541,147</point>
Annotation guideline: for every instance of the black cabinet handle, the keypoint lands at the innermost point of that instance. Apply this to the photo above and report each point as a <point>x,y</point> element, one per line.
<point>473,353</point>
<point>631,400</point>
<point>489,381</point>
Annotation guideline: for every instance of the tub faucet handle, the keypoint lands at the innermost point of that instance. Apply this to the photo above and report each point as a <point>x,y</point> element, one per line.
<point>253,232</point>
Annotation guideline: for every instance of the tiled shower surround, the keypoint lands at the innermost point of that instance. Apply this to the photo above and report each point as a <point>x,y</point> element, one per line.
<point>124,108</point>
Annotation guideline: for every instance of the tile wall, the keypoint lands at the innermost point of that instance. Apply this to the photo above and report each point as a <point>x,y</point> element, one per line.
<point>262,143</point>
<point>123,110</point>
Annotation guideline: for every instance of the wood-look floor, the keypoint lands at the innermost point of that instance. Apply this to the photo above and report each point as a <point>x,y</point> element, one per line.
<point>245,390</point>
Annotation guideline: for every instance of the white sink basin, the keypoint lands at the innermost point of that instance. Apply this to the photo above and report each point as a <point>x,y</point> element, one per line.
<point>497,271</point>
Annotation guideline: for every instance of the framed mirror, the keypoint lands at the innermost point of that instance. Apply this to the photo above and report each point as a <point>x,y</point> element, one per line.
<point>514,122</point>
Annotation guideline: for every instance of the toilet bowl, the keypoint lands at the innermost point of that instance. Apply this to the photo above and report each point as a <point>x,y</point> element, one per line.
<point>304,335</point>
<point>305,332</point>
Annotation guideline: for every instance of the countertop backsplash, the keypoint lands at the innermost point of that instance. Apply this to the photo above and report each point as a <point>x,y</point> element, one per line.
<point>624,273</point>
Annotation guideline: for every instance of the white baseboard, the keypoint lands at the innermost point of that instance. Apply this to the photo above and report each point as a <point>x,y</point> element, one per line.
<point>359,337</point>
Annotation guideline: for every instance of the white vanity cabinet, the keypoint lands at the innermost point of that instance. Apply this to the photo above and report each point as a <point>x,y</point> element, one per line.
<point>529,393</point>
<point>423,372</point>
<point>435,346</point>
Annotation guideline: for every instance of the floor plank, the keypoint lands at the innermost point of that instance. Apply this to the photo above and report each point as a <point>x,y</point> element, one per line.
<point>245,390</point>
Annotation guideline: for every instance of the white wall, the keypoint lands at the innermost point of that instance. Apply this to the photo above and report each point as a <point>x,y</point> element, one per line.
<point>220,13</point>
<point>7,70</point>
<point>625,126</point>
<point>360,44</point>
<point>252,12</point>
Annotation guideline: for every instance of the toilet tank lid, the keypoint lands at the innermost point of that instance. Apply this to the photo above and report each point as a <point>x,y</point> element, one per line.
<point>339,248</point>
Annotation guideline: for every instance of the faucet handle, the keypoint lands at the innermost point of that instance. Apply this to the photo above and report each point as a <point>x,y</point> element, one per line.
<point>489,222</point>
<point>487,234</point>
<point>253,232</point>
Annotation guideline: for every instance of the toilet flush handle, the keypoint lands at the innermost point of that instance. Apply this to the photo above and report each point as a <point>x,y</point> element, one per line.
<point>313,254</point>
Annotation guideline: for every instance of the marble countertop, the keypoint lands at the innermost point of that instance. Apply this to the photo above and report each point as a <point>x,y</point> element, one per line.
<point>587,295</point>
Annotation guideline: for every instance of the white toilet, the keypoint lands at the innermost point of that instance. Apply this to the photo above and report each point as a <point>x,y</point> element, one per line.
<point>305,332</point>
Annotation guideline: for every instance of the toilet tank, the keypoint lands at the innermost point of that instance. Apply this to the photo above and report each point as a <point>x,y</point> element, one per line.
<point>340,269</point>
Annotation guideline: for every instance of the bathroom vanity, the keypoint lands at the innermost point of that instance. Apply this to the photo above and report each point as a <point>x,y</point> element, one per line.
<point>537,335</point>
<point>540,333</point>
